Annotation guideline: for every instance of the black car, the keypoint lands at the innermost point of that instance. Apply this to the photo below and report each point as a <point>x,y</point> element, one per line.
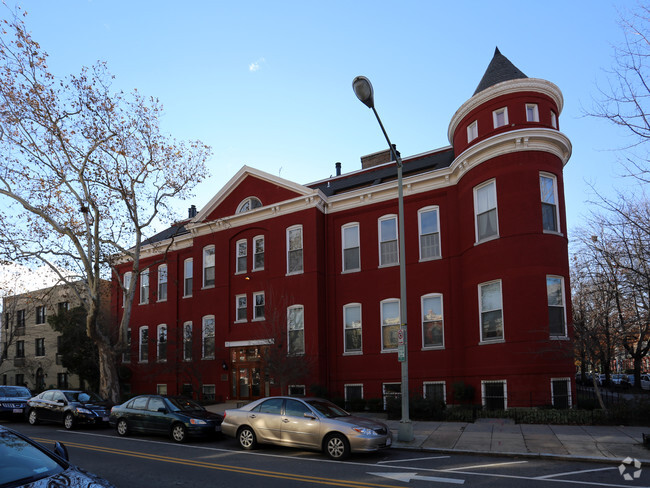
<point>177,417</point>
<point>27,463</point>
<point>13,400</point>
<point>69,407</point>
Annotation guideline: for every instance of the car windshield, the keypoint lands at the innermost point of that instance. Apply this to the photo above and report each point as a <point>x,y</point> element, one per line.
<point>327,409</point>
<point>83,396</point>
<point>15,392</point>
<point>184,405</point>
<point>23,463</point>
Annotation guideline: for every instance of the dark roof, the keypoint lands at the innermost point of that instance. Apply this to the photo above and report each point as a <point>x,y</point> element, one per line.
<point>175,230</point>
<point>500,69</point>
<point>386,172</point>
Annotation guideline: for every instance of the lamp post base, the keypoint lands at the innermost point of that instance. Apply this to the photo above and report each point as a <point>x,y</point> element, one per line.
<point>405,432</point>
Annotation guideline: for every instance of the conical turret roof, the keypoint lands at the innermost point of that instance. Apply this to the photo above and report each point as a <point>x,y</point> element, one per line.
<point>500,69</point>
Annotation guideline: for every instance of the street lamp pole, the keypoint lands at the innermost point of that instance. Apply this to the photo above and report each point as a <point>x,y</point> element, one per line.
<point>364,92</point>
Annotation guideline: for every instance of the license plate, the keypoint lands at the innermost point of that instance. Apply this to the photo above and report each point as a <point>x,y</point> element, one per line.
<point>18,410</point>
<point>389,441</point>
<point>105,419</point>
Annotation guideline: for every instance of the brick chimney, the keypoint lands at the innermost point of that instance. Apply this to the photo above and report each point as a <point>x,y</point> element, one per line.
<point>375,159</point>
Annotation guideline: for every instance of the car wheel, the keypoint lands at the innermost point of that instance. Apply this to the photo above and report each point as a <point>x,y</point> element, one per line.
<point>32,417</point>
<point>68,421</point>
<point>247,438</point>
<point>122,427</point>
<point>337,447</point>
<point>179,433</point>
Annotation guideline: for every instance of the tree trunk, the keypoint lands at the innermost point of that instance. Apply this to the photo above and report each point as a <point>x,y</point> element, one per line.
<point>108,376</point>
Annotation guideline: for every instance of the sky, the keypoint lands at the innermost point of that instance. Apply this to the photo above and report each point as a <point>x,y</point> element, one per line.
<point>268,84</point>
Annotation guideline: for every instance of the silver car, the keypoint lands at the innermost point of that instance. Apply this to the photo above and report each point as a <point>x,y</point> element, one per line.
<point>308,423</point>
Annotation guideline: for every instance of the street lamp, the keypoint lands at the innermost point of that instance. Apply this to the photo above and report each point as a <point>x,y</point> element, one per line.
<point>364,92</point>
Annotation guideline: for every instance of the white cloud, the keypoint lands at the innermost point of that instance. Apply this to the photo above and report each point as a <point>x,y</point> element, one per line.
<point>256,65</point>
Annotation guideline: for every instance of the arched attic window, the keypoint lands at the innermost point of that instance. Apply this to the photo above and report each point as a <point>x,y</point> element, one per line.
<point>249,203</point>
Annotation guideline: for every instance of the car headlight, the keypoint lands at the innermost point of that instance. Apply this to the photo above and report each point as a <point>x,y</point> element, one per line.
<point>198,422</point>
<point>84,411</point>
<point>365,431</point>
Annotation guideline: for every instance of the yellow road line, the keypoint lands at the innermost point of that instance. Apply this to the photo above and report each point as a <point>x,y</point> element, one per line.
<point>223,467</point>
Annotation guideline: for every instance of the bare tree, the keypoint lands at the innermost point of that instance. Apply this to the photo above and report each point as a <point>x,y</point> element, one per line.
<point>85,174</point>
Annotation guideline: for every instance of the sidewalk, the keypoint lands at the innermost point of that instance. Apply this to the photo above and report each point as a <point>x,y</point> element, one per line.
<point>503,437</point>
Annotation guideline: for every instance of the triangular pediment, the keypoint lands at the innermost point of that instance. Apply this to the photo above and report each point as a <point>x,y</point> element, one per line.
<point>250,183</point>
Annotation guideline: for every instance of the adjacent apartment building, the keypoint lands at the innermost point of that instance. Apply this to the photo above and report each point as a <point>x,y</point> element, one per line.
<point>276,286</point>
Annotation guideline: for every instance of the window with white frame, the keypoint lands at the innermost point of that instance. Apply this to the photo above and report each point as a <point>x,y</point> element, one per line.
<point>352,328</point>
<point>296,330</point>
<point>500,117</point>
<point>556,314</point>
<point>351,248</point>
<point>553,119</point>
<point>472,131</point>
<point>490,304</point>
<point>187,341</point>
<point>208,338</point>
<point>162,343</point>
<point>242,255</point>
<point>432,323</point>
<point>162,282</point>
<point>485,210</point>
<point>40,314</point>
<point>208,392</point>
<point>144,286</point>
<point>294,250</point>
<point>429,226</point>
<point>390,324</point>
<point>249,203</point>
<point>435,390</point>
<point>548,192</point>
<point>353,393</point>
<point>532,113</point>
<point>188,273</point>
<point>561,392</point>
<point>208,266</point>
<point>144,344</point>
<point>161,389</point>
<point>241,304</point>
<point>39,347</point>
<point>388,244</point>
<point>494,395</point>
<point>126,284</point>
<point>258,253</point>
<point>258,305</point>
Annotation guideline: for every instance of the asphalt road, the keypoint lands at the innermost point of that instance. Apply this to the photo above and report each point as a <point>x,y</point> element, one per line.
<point>156,462</point>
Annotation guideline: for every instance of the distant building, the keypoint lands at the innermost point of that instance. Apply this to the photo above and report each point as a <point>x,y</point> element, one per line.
<point>278,287</point>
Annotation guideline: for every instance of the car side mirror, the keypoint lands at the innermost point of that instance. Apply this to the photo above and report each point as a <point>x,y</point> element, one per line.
<point>309,415</point>
<point>162,410</point>
<point>61,451</point>
<point>61,402</point>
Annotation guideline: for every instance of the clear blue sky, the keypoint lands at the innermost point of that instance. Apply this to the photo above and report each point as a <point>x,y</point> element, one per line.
<point>268,83</point>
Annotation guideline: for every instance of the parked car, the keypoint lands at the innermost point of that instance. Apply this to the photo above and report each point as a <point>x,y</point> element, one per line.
<point>620,380</point>
<point>13,400</point>
<point>26,463</point>
<point>177,417</point>
<point>308,423</point>
<point>69,407</point>
<point>645,381</point>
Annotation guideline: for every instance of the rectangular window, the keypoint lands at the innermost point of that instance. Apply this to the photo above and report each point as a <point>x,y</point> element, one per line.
<point>188,273</point>
<point>161,389</point>
<point>296,330</point>
<point>351,249</point>
<point>208,337</point>
<point>162,343</point>
<point>63,306</point>
<point>20,318</point>
<point>39,347</point>
<point>144,344</point>
<point>258,250</point>
<point>297,390</point>
<point>208,266</point>
<point>62,380</point>
<point>429,233</point>
<point>472,131</point>
<point>242,254</point>
<point>388,245</point>
<point>561,393</point>
<point>490,304</point>
<point>352,326</point>
<point>187,341</point>
<point>40,315</point>
<point>20,349</point>
<point>162,282</point>
<point>494,395</point>
<point>126,285</point>
<point>556,315</point>
<point>352,394</point>
<point>144,286</point>
<point>532,114</point>
<point>126,355</point>
<point>208,392</point>
<point>485,209</point>
<point>241,305</point>
<point>548,191</point>
<point>390,324</point>
<point>435,390</point>
<point>258,307</point>
<point>553,119</point>
<point>294,250</point>
<point>500,117</point>
<point>432,325</point>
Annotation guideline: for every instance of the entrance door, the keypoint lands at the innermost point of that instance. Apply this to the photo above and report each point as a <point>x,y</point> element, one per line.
<point>246,373</point>
<point>248,382</point>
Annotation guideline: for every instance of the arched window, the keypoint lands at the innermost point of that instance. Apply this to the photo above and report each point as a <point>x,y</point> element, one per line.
<point>249,203</point>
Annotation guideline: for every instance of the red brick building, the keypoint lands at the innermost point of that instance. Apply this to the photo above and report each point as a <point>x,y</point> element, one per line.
<point>277,286</point>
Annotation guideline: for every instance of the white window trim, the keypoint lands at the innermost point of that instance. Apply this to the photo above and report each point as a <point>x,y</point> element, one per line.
<point>302,248</point>
<point>505,392</point>
<point>442,312</point>
<point>191,341</point>
<point>126,284</point>
<point>140,344</point>
<point>158,330</point>
<point>495,114</point>
<point>250,200</point>
<point>472,131</point>
<point>379,241</point>
<point>496,208</point>
<point>568,380</point>
<point>204,267</point>
<point>535,109</point>
<point>186,277</point>
<point>304,341</point>
<point>381,323</point>
<point>237,319</point>
<point>480,313</point>
<point>552,177</point>
<point>553,119</point>
<point>254,304</point>
<point>237,256</point>
<point>436,209</point>
<point>345,389</point>
<point>161,282</point>
<point>144,298</point>
<point>350,225</point>
<point>161,386</point>
<point>256,239</point>
<point>564,336</point>
<point>444,389</point>
<point>345,351</point>
<point>203,336</point>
